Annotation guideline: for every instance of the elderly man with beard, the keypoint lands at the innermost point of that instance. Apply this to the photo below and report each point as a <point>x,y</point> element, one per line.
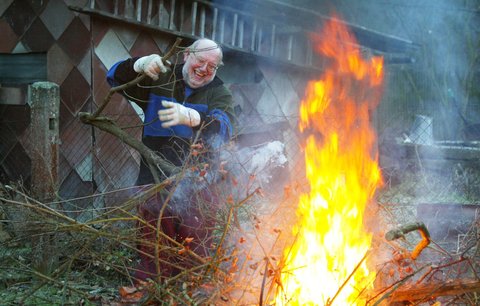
<point>177,103</point>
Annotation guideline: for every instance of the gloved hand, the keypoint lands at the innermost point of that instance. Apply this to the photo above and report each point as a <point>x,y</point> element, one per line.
<point>151,65</point>
<point>175,114</point>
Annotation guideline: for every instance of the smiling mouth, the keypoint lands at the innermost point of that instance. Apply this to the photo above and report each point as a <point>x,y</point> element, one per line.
<point>199,73</point>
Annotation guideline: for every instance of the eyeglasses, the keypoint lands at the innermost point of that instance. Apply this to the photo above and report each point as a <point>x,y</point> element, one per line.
<point>211,68</point>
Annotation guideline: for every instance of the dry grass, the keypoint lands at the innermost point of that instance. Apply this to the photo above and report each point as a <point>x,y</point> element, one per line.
<point>50,255</point>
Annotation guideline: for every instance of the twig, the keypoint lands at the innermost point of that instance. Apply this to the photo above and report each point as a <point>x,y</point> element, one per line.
<point>164,206</point>
<point>50,279</point>
<point>264,279</point>
<point>113,90</point>
<point>330,302</point>
<point>72,222</point>
<point>107,125</point>
<point>283,261</point>
<point>135,81</point>
<point>229,220</point>
<point>267,258</point>
<point>396,286</point>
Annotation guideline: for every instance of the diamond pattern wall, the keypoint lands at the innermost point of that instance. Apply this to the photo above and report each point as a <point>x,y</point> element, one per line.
<point>80,49</point>
<point>51,27</point>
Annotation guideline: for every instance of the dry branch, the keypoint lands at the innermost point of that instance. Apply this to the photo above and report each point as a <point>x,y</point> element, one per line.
<point>429,291</point>
<point>137,80</point>
<point>107,125</point>
<point>401,231</point>
<point>155,162</point>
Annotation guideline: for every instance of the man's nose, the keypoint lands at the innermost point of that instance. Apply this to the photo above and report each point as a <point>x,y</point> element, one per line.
<point>203,65</point>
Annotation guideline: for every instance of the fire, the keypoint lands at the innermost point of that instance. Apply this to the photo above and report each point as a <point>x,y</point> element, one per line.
<point>326,264</point>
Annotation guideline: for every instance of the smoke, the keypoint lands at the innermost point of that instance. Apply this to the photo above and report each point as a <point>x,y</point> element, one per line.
<point>441,85</point>
<point>438,84</point>
<point>447,36</point>
<point>445,32</point>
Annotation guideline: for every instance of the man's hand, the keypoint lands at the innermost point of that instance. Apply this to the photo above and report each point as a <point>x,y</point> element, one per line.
<point>151,65</point>
<point>175,114</point>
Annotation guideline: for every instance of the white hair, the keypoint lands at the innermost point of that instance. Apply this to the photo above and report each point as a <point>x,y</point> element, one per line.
<point>193,47</point>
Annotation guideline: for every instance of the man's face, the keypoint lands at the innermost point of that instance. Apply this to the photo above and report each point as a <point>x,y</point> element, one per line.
<point>200,66</point>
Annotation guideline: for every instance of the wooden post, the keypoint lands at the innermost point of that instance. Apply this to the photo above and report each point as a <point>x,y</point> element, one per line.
<point>45,109</point>
<point>44,100</point>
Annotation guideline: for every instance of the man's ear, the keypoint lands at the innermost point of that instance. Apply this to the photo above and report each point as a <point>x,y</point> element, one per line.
<point>186,54</point>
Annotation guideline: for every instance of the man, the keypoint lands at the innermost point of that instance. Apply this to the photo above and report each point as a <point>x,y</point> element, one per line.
<point>176,105</point>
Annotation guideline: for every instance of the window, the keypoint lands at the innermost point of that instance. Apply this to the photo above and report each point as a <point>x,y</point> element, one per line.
<point>17,71</point>
<point>22,68</point>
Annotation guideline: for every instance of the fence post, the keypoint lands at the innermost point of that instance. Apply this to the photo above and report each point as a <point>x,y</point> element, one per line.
<point>44,100</point>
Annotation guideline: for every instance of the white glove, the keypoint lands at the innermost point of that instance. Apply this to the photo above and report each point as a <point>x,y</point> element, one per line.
<point>151,65</point>
<point>175,114</point>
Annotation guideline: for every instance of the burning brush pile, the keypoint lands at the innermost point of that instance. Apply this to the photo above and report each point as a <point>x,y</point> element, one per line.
<point>340,245</point>
<point>327,262</point>
<point>346,249</point>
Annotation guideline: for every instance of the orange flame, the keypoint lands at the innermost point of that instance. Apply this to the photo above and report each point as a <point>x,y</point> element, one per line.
<point>326,264</point>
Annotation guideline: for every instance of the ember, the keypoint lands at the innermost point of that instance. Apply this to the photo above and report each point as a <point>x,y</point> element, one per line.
<point>326,264</point>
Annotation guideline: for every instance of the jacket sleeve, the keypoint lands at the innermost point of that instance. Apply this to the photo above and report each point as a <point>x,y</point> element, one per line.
<point>219,120</point>
<point>122,72</point>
